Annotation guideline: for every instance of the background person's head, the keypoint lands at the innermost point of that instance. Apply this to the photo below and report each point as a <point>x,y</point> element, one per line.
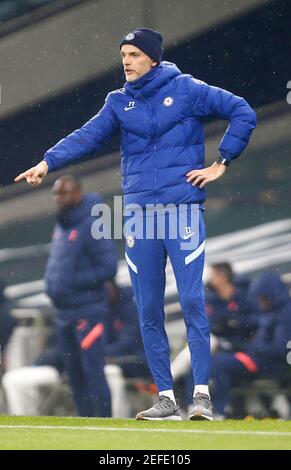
<point>67,193</point>
<point>269,291</point>
<point>140,50</point>
<point>221,275</point>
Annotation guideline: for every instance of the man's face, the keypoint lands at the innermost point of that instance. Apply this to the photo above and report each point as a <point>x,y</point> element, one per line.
<point>217,278</point>
<point>65,195</point>
<point>135,62</point>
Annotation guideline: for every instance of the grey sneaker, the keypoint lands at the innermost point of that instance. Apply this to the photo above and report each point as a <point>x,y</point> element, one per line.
<point>164,410</point>
<point>202,409</point>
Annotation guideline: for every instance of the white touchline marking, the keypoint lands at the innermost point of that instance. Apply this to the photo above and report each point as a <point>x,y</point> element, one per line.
<point>191,431</point>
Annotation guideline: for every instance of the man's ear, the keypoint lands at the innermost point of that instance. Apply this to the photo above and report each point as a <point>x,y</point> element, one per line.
<point>154,63</point>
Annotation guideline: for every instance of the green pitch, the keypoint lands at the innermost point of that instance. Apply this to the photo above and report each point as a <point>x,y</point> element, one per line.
<point>109,434</point>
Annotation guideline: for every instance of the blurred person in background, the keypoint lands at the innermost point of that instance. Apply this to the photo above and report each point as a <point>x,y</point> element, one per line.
<point>160,113</point>
<point>76,270</point>
<point>232,316</point>
<point>265,354</point>
<point>27,387</point>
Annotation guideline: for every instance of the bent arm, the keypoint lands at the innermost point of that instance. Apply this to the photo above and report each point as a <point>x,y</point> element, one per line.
<point>103,264</point>
<point>212,101</point>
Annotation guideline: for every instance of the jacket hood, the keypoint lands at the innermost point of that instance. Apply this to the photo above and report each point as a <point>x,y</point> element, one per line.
<point>74,215</point>
<point>269,285</point>
<point>149,83</point>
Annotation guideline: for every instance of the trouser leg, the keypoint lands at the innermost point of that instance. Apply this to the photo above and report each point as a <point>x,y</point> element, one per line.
<point>226,372</point>
<point>186,253</point>
<point>89,332</point>
<point>147,260</point>
<point>69,348</point>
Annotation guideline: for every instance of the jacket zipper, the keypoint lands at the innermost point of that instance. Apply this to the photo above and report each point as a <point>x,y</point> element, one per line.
<point>154,130</point>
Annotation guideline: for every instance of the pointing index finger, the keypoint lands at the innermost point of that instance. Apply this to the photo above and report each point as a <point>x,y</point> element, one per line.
<point>20,177</point>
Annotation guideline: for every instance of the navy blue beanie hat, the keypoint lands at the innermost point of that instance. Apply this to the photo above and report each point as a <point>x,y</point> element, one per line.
<point>147,40</point>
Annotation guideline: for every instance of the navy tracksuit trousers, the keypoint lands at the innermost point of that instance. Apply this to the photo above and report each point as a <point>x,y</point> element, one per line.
<point>146,257</point>
<point>82,345</point>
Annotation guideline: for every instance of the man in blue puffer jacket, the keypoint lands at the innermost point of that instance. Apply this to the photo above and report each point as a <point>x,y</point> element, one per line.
<point>77,268</point>
<point>159,113</point>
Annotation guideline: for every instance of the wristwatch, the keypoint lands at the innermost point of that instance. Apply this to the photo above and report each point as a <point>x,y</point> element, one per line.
<point>222,161</point>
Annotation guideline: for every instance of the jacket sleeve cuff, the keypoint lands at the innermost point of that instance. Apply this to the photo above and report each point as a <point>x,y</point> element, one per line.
<point>50,162</point>
<point>222,161</point>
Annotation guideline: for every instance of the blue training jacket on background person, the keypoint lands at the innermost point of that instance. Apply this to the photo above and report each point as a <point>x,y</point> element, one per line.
<point>235,320</point>
<point>78,264</point>
<point>269,347</point>
<point>160,119</point>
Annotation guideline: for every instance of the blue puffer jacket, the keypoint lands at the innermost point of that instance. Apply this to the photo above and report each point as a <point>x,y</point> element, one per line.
<point>78,264</point>
<point>160,119</point>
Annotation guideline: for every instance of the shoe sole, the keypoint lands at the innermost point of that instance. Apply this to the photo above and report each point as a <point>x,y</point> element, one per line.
<point>168,418</point>
<point>200,417</point>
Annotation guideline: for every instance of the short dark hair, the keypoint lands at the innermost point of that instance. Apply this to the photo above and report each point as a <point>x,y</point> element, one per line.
<point>225,269</point>
<point>73,179</point>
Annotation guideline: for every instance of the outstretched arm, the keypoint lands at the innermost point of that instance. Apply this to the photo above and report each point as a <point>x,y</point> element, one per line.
<point>82,142</point>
